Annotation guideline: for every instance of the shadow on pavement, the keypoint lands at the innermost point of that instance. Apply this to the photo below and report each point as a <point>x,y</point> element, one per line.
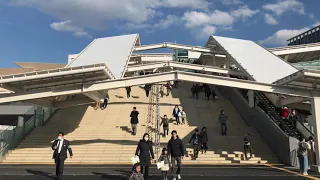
<point>41,173</point>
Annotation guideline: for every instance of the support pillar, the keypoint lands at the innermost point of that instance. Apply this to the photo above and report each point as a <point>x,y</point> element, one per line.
<point>251,98</point>
<point>315,107</point>
<point>38,116</point>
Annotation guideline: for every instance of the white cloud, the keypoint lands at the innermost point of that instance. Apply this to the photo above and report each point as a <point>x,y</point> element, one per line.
<point>191,4</point>
<point>232,2</point>
<point>269,19</point>
<point>170,20</point>
<point>167,22</point>
<point>283,6</point>
<point>244,12</point>
<point>315,24</point>
<point>280,37</point>
<point>67,26</point>
<point>208,31</point>
<point>197,19</point>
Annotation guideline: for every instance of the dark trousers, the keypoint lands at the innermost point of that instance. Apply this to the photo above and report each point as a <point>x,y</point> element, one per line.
<point>59,166</point>
<point>197,95</point>
<point>164,174</point>
<point>105,103</point>
<point>165,131</point>
<point>204,146</point>
<point>196,149</point>
<point>177,119</point>
<point>223,128</point>
<point>193,95</point>
<point>134,129</point>
<point>128,94</point>
<point>183,120</point>
<point>247,148</point>
<point>173,162</point>
<point>147,93</point>
<point>145,172</point>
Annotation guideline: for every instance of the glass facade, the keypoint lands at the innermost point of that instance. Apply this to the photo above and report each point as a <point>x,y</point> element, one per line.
<point>311,36</point>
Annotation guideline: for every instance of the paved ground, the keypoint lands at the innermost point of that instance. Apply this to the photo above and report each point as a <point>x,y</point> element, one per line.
<point>122,173</point>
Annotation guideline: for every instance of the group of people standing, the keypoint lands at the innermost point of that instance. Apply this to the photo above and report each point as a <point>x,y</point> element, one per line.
<point>197,88</point>
<point>171,157</point>
<point>199,140</point>
<point>306,154</point>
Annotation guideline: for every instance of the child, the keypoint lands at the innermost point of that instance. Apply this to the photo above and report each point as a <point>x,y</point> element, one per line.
<point>136,172</point>
<point>183,116</point>
<point>165,158</point>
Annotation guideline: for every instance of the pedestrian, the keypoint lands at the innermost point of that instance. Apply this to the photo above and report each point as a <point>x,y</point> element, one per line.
<point>214,95</point>
<point>311,152</point>
<point>176,114</point>
<point>166,161</point>
<point>145,151</point>
<point>60,147</point>
<point>97,105</point>
<point>208,92</point>
<point>147,88</point>
<point>223,123</point>
<point>247,146</point>
<point>128,89</point>
<point>195,141</point>
<point>136,172</point>
<point>197,90</point>
<point>105,102</point>
<point>204,140</point>
<point>303,147</point>
<point>162,90</point>
<point>183,116</point>
<point>169,87</point>
<point>165,125</point>
<point>134,120</point>
<point>176,150</point>
<point>193,91</point>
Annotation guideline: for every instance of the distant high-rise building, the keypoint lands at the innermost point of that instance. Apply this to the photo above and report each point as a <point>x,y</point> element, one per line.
<point>310,36</point>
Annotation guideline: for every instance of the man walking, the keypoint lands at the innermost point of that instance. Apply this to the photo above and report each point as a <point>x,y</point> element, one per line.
<point>176,151</point>
<point>105,101</point>
<point>147,88</point>
<point>195,140</point>
<point>223,122</point>
<point>128,89</point>
<point>60,147</point>
<point>247,146</point>
<point>134,120</point>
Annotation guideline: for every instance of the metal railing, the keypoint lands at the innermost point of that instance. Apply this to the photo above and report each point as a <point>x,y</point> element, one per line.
<point>157,119</point>
<point>150,117</point>
<point>15,133</point>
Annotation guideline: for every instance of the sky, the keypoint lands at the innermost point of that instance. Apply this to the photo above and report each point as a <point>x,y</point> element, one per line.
<point>49,30</point>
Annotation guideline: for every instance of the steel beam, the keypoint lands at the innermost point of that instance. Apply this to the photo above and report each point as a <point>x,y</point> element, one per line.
<point>95,95</point>
<point>172,46</point>
<point>73,102</point>
<point>161,77</point>
<point>291,100</point>
<point>41,102</point>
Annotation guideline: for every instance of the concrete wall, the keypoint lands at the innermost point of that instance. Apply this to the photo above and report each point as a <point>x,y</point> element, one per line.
<point>282,145</point>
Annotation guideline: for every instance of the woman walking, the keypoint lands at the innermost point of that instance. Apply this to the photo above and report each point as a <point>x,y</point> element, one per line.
<point>176,113</point>
<point>144,151</point>
<point>302,155</point>
<point>204,140</point>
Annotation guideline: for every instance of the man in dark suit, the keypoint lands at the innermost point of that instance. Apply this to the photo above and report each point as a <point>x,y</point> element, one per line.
<point>60,147</point>
<point>134,120</point>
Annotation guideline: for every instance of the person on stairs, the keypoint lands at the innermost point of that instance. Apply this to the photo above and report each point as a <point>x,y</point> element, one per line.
<point>214,95</point>
<point>136,172</point>
<point>60,147</point>
<point>134,120</point>
<point>147,88</point>
<point>204,140</point>
<point>195,141</point>
<point>145,151</point>
<point>176,151</point>
<point>165,125</point>
<point>166,163</point>
<point>302,152</point>
<point>223,123</point>
<point>193,91</point>
<point>183,116</point>
<point>247,146</point>
<point>176,114</point>
<point>105,102</point>
<point>128,89</point>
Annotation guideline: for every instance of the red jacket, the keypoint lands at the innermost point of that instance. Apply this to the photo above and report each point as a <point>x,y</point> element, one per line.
<point>285,113</point>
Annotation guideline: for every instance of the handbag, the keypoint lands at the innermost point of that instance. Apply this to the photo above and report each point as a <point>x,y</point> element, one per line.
<point>135,160</point>
<point>160,164</point>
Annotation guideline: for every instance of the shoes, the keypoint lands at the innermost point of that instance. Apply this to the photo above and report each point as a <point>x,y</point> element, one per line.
<point>179,177</point>
<point>305,174</point>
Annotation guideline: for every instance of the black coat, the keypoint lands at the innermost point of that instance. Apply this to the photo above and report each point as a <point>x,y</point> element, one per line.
<point>176,147</point>
<point>63,153</point>
<point>134,117</point>
<point>203,137</point>
<point>144,150</point>
<point>195,139</point>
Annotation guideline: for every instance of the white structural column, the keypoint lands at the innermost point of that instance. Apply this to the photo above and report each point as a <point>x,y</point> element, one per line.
<point>251,98</point>
<point>38,115</point>
<point>315,106</point>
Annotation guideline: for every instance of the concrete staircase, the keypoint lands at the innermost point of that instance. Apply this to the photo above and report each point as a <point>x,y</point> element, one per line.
<point>96,136</point>
<point>104,136</point>
<point>200,113</point>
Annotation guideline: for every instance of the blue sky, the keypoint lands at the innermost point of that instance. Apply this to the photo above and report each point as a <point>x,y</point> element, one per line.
<point>49,30</point>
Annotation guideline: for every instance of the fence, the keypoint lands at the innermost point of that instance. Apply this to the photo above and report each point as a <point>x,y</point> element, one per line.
<point>17,131</point>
